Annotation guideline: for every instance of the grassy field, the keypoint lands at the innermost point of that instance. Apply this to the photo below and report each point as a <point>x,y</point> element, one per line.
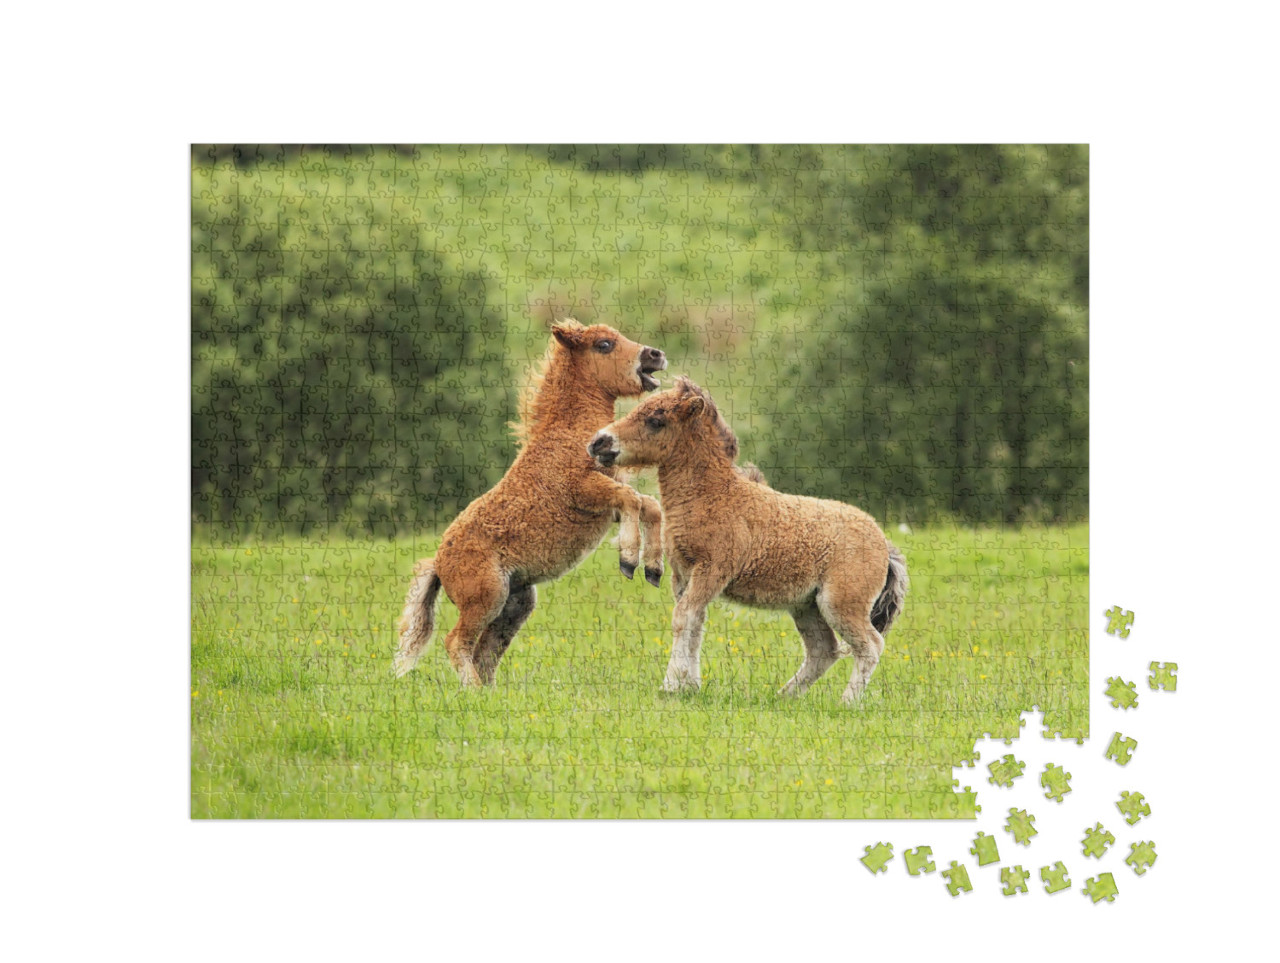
<point>294,711</point>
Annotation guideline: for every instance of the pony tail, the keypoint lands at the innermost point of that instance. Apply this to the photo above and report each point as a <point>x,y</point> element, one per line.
<point>419,617</point>
<point>888,606</point>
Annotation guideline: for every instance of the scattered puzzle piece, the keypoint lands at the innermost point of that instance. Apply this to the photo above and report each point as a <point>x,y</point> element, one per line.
<point>1141,856</point>
<point>1119,621</point>
<point>918,860</point>
<point>1014,879</point>
<point>1021,826</point>
<point>1134,807</point>
<point>984,847</point>
<point>877,859</point>
<point>957,879</point>
<point>1121,749</point>
<point>1055,782</point>
<point>1121,693</point>
<point>1005,771</point>
<point>1103,886</point>
<point>1055,880</point>
<point>1096,841</point>
<point>1163,676</point>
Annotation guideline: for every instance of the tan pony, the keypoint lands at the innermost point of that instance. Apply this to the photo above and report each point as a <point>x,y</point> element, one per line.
<point>825,562</point>
<point>548,512</point>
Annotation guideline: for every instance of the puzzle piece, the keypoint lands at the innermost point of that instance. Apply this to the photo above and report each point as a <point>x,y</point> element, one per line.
<point>1100,887</point>
<point>877,859</point>
<point>1134,807</point>
<point>918,860</point>
<point>1096,841</point>
<point>1121,749</point>
<point>1014,879</point>
<point>1121,693</point>
<point>1021,826</point>
<point>1141,856</point>
<point>1056,879</point>
<point>957,879</point>
<point>1055,782</point>
<point>1005,771</point>
<point>1119,621</point>
<point>1163,676</point>
<point>984,847</point>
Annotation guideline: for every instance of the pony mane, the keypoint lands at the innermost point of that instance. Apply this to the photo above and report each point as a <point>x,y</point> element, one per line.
<point>723,432</point>
<point>537,377</point>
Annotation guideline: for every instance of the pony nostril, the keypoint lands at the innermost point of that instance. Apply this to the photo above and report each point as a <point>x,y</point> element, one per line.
<point>599,443</point>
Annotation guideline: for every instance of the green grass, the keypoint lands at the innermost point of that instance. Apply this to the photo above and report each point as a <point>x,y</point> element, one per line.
<point>295,712</point>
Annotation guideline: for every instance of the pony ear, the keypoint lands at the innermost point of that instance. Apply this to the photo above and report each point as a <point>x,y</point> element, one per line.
<point>570,337</point>
<point>693,407</point>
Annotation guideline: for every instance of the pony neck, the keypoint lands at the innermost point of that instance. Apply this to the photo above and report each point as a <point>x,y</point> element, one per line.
<point>565,398</point>
<point>697,466</point>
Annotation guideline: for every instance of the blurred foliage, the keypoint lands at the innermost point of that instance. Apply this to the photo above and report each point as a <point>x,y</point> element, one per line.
<point>904,328</point>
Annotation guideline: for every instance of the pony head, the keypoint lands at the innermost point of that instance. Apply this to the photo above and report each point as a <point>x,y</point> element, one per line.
<point>617,364</point>
<point>664,425</point>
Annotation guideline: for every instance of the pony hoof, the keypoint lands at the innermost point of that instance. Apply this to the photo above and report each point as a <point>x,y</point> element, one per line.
<point>653,576</point>
<point>628,568</point>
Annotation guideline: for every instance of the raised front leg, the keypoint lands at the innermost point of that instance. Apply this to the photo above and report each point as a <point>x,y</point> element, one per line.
<point>600,492</point>
<point>684,671</point>
<point>628,532</point>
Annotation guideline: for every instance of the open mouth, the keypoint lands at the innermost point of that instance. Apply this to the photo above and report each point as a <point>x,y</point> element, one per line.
<point>646,370</point>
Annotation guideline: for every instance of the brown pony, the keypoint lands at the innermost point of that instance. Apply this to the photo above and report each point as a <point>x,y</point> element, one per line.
<point>548,512</point>
<point>825,562</point>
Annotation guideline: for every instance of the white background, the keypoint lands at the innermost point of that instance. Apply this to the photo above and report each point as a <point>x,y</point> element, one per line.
<point>101,106</point>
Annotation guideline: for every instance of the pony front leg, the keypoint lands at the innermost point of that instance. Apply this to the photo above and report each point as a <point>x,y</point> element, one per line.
<point>600,492</point>
<point>628,531</point>
<point>684,671</point>
<point>650,519</point>
<point>628,543</point>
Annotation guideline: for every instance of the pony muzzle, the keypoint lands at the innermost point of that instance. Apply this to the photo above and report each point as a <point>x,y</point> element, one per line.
<point>604,449</point>
<point>651,360</point>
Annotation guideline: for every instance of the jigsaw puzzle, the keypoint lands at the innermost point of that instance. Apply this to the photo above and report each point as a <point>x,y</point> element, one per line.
<point>1055,782</point>
<point>1164,675</point>
<point>1055,878</point>
<point>1005,771</point>
<point>1133,806</point>
<point>1141,856</point>
<point>878,857</point>
<point>416,593</point>
<point>1120,749</point>
<point>1122,693</point>
<point>1014,879</point>
<point>957,879</point>
<point>1021,826</point>
<point>1119,622</point>
<point>1096,841</point>
<point>984,847</point>
<point>918,860</point>
<point>1101,887</point>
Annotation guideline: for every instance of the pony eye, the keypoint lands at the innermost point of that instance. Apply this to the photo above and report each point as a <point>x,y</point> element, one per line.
<point>655,423</point>
<point>605,346</point>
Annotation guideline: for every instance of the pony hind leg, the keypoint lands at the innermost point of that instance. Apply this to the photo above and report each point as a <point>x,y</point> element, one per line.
<point>497,637</point>
<point>480,598</point>
<point>821,650</point>
<point>850,615</point>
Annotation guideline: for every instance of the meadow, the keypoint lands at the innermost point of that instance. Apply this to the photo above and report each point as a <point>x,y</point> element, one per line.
<point>295,713</point>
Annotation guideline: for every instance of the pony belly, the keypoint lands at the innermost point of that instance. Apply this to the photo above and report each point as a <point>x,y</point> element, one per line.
<point>769,593</point>
<point>555,559</point>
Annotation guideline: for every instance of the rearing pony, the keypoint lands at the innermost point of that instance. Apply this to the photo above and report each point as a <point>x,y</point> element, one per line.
<point>825,562</point>
<point>551,508</point>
